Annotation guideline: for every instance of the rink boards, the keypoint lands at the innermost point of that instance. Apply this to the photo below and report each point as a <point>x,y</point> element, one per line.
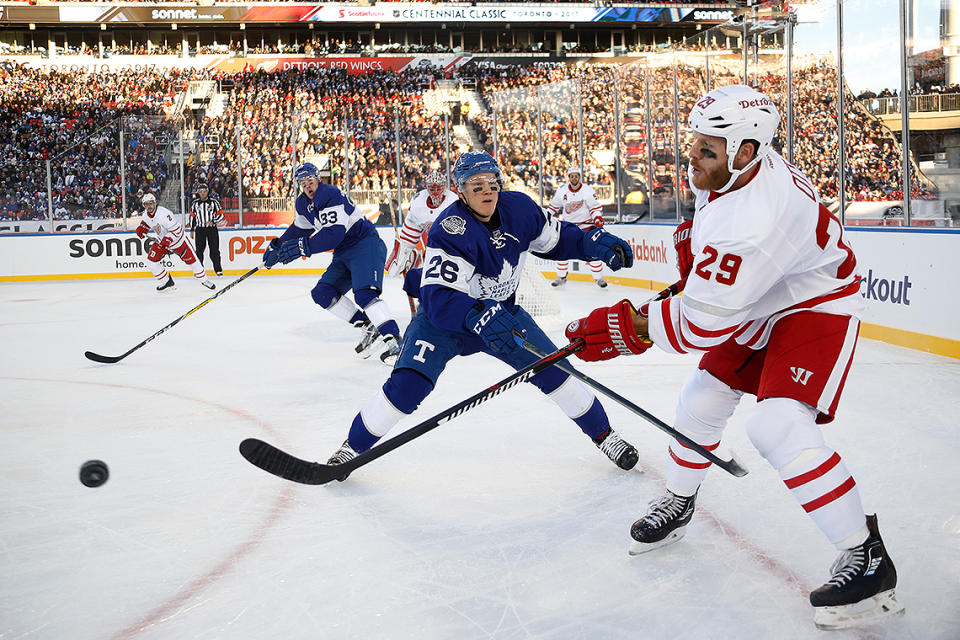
<point>909,283</point>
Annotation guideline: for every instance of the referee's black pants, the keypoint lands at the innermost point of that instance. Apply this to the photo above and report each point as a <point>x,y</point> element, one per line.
<point>205,235</point>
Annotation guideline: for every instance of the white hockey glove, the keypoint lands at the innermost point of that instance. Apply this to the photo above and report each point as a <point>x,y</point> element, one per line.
<point>399,260</point>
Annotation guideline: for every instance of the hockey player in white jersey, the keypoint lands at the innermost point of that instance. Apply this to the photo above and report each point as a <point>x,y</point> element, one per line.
<point>424,208</point>
<point>170,239</point>
<point>577,203</point>
<point>773,300</point>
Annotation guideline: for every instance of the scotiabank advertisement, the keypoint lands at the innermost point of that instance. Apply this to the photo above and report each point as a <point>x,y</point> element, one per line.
<point>909,286</point>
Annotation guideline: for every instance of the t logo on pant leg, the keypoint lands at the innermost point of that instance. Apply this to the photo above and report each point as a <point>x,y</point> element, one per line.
<point>801,375</point>
<point>424,347</point>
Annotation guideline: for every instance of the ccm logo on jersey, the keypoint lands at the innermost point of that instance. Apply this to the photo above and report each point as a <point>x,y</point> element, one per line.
<point>249,245</point>
<point>801,375</point>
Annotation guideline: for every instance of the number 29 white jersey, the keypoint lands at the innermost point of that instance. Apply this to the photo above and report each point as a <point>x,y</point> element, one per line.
<point>765,250</point>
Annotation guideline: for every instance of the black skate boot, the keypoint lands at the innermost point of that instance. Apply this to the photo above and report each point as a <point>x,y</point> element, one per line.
<point>168,285</point>
<point>368,340</point>
<point>559,281</point>
<point>209,285</point>
<point>341,455</point>
<point>621,452</point>
<point>665,522</point>
<point>861,589</point>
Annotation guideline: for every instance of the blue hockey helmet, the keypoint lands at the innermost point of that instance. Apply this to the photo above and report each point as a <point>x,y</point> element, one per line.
<point>472,163</point>
<point>306,170</point>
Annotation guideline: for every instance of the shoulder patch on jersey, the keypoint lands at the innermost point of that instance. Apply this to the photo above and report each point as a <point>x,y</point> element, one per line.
<point>454,225</point>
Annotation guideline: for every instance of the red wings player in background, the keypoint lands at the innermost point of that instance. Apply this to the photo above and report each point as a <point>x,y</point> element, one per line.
<point>772,299</point>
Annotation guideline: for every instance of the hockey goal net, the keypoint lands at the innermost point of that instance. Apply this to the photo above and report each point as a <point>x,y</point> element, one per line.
<point>538,298</point>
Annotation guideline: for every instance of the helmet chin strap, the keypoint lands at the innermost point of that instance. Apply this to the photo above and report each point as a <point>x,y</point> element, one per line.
<point>736,173</point>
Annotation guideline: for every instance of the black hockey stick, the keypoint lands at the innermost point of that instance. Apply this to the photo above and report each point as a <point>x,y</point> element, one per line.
<point>96,357</point>
<point>731,466</point>
<point>279,463</point>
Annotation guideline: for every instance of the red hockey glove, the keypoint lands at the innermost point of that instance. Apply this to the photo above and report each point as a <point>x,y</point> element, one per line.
<point>156,253</point>
<point>608,332</point>
<point>166,242</point>
<point>681,241</point>
<point>142,230</point>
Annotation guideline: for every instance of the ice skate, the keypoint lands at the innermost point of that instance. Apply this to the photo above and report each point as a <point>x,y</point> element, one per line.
<point>219,273</point>
<point>392,351</point>
<point>166,286</point>
<point>665,523</point>
<point>209,285</point>
<point>861,588</point>
<point>601,283</point>
<point>621,452</point>
<point>559,280</point>
<point>368,340</point>
<point>344,454</point>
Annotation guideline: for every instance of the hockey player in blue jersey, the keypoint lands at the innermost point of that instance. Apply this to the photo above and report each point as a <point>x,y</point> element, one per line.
<point>327,219</point>
<point>471,269</point>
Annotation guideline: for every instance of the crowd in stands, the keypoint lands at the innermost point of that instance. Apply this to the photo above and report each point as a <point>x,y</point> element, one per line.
<point>73,119</point>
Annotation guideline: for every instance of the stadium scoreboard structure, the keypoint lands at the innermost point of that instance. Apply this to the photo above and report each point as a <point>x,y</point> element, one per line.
<point>154,14</point>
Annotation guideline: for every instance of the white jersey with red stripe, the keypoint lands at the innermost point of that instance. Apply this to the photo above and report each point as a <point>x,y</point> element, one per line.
<point>579,206</point>
<point>421,215</point>
<point>765,250</point>
<point>165,225</point>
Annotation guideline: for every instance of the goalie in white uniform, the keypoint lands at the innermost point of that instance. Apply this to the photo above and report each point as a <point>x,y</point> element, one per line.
<point>576,202</point>
<point>426,206</point>
<point>170,239</point>
<point>772,300</point>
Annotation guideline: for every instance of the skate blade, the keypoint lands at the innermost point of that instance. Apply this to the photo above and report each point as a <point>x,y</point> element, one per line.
<point>366,353</point>
<point>636,548</point>
<point>882,605</point>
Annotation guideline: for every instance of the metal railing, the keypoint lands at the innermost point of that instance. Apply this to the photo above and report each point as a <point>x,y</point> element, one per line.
<point>924,103</point>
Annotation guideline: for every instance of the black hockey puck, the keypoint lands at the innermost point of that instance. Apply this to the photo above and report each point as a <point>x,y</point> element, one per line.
<point>94,473</point>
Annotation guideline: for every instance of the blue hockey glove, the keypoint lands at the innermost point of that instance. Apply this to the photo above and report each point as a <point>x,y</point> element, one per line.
<point>495,326</point>
<point>600,245</point>
<point>272,255</point>
<point>293,249</point>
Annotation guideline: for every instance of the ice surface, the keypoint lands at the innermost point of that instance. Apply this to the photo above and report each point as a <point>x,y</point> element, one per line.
<point>504,523</point>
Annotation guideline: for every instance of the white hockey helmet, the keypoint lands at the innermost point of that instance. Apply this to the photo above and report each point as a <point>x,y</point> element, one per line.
<point>575,169</point>
<point>436,178</point>
<point>737,113</point>
<point>148,197</point>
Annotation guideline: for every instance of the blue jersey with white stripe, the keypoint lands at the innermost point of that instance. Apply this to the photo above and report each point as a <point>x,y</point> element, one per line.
<point>468,260</point>
<point>330,219</point>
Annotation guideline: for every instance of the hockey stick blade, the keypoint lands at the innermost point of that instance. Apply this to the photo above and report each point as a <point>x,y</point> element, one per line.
<point>731,466</point>
<point>282,464</point>
<point>96,357</point>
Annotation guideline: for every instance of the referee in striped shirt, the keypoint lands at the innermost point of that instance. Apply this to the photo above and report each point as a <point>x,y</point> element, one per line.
<point>205,215</point>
